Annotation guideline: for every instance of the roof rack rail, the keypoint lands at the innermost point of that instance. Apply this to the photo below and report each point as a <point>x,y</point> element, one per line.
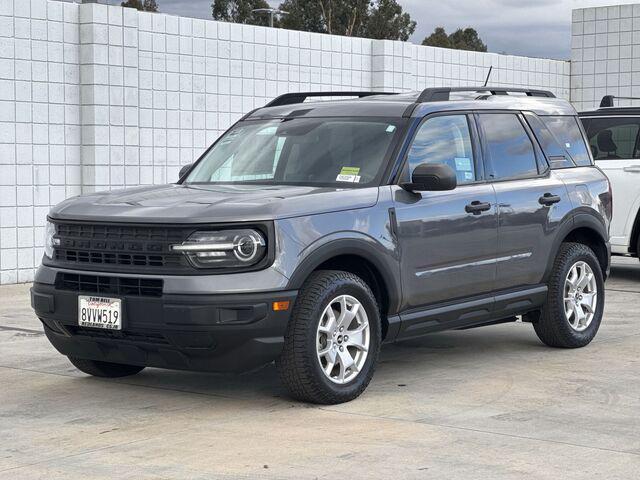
<point>607,100</point>
<point>442,94</point>
<point>300,97</point>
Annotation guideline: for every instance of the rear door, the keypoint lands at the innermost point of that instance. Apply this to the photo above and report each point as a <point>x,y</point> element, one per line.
<point>615,143</point>
<point>532,201</point>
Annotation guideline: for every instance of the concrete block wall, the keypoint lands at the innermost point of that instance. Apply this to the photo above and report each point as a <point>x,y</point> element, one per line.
<point>40,131</point>
<point>96,97</point>
<point>605,54</point>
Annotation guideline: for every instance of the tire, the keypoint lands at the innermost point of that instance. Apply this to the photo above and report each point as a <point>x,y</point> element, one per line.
<point>302,365</point>
<point>554,327</point>
<point>104,369</point>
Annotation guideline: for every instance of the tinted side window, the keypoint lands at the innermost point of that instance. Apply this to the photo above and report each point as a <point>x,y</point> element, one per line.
<point>509,146</point>
<point>567,132</point>
<point>447,140</point>
<point>613,138</point>
<point>557,155</point>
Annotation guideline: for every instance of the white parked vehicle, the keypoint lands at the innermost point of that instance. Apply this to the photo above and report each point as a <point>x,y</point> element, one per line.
<point>614,137</point>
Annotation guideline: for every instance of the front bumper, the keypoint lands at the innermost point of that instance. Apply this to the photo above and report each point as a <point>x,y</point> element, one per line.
<point>219,333</point>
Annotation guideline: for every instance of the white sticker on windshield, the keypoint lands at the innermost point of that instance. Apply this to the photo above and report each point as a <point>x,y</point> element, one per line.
<point>391,128</point>
<point>348,178</point>
<point>463,164</point>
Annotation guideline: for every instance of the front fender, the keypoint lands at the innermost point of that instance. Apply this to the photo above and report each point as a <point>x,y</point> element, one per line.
<point>382,258</point>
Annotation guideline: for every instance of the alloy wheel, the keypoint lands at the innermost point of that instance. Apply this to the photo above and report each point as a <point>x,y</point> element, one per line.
<point>580,296</point>
<point>342,340</point>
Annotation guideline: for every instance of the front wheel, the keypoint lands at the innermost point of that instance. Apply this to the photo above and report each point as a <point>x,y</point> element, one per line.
<point>104,369</point>
<point>333,339</point>
<point>575,301</point>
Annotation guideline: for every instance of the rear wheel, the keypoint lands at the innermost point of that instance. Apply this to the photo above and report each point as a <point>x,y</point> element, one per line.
<point>575,301</point>
<point>333,339</point>
<point>104,369</point>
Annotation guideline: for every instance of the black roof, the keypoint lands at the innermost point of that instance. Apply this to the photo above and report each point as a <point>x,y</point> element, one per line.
<point>608,108</point>
<point>611,111</point>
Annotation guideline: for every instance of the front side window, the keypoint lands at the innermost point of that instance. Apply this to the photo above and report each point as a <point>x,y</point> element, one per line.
<point>339,152</point>
<point>445,139</point>
<point>613,138</point>
<point>509,147</point>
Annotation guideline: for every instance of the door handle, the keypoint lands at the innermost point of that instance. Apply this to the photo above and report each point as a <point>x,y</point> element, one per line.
<point>632,169</point>
<point>549,199</point>
<point>477,207</point>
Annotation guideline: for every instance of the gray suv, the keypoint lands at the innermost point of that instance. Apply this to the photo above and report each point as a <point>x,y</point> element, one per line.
<point>312,232</point>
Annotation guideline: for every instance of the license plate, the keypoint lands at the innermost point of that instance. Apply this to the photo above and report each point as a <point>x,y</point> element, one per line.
<point>100,312</point>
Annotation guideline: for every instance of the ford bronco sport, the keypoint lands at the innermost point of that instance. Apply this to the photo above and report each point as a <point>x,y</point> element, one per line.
<point>314,231</point>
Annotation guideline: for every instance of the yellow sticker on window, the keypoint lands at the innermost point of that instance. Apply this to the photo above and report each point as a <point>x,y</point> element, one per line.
<point>350,171</point>
<point>349,174</point>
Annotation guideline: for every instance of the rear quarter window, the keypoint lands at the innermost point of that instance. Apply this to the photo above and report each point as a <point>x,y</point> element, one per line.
<point>566,131</point>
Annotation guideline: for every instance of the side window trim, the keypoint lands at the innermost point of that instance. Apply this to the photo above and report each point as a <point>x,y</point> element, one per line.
<point>488,161</point>
<point>476,147</point>
<point>541,160</point>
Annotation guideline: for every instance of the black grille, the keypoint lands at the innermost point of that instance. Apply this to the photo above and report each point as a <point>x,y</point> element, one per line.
<point>146,337</point>
<point>142,287</point>
<point>120,247</point>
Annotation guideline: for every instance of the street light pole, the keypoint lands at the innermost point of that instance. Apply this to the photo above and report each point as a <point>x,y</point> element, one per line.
<point>272,13</point>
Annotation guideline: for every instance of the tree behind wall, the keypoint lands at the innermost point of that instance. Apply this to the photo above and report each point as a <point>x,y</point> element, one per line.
<point>146,5</point>
<point>381,19</point>
<point>240,11</point>
<point>461,39</point>
<point>387,21</point>
<point>337,17</point>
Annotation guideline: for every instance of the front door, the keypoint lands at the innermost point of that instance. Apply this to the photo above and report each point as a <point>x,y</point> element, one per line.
<point>448,239</point>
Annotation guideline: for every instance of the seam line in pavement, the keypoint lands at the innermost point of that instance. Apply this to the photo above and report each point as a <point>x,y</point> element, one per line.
<point>120,382</point>
<point>18,329</point>
<point>620,290</point>
<point>487,432</point>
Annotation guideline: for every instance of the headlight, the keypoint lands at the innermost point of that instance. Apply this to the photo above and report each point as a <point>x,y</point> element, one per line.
<point>49,241</point>
<point>224,248</point>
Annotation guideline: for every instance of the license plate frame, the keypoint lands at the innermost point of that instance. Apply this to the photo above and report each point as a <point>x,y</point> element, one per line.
<point>104,313</point>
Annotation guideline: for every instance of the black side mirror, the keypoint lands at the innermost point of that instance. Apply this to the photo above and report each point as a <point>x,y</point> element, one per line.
<point>432,177</point>
<point>184,170</point>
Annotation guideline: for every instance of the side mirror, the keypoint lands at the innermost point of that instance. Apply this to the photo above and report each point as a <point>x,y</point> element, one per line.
<point>184,170</point>
<point>432,177</point>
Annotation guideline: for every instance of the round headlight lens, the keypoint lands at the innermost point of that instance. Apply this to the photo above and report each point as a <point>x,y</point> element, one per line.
<point>247,246</point>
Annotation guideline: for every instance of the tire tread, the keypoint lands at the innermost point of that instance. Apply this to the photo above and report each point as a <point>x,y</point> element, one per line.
<point>552,328</point>
<point>296,362</point>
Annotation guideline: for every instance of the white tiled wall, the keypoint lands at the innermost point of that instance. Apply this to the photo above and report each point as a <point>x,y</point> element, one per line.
<point>605,54</point>
<point>39,125</point>
<point>95,97</point>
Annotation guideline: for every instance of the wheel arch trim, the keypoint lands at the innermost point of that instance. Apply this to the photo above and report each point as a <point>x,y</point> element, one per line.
<point>364,248</point>
<point>582,220</point>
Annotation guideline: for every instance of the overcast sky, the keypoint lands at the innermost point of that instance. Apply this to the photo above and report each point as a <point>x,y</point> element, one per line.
<point>538,28</point>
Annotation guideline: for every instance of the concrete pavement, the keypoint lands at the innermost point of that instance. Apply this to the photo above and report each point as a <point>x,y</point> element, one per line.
<point>488,403</point>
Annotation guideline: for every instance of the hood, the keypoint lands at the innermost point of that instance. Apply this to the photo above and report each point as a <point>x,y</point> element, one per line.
<point>211,203</point>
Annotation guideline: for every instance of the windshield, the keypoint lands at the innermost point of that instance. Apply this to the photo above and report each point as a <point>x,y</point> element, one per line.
<point>343,152</point>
